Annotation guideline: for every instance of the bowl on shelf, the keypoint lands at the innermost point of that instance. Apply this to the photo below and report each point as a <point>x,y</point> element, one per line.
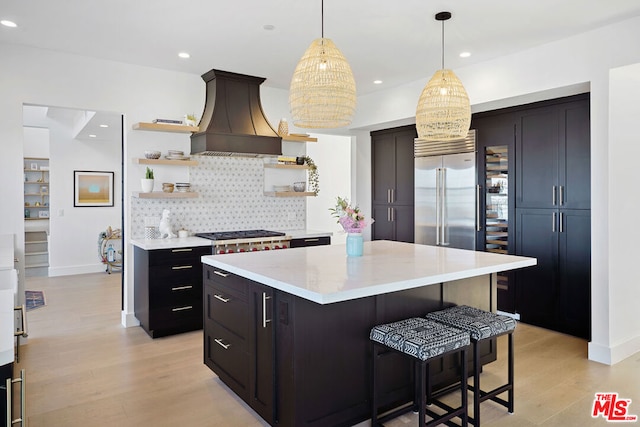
<point>299,186</point>
<point>167,187</point>
<point>152,154</point>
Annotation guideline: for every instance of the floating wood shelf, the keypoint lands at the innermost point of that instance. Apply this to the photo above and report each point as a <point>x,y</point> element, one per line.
<point>166,162</point>
<point>162,127</point>
<point>299,138</point>
<point>281,166</point>
<point>289,193</point>
<point>164,195</point>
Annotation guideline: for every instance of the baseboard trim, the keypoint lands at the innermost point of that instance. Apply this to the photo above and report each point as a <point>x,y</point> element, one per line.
<point>129,320</point>
<point>76,269</point>
<point>614,354</point>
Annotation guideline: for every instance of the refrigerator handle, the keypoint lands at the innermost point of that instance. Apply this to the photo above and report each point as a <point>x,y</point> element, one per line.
<point>443,204</point>
<point>438,219</point>
<point>478,222</point>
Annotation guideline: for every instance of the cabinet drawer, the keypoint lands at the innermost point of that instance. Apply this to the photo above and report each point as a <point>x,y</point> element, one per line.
<point>228,354</point>
<point>175,316</point>
<point>310,241</point>
<point>229,282</point>
<point>184,292</point>
<point>177,256</point>
<point>227,309</point>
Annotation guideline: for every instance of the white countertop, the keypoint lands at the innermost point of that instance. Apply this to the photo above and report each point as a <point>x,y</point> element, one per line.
<point>176,242</point>
<point>192,241</point>
<point>324,274</point>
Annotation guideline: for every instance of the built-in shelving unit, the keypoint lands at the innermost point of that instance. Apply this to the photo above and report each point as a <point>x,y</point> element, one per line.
<point>162,127</point>
<point>165,162</point>
<point>165,195</point>
<point>36,188</point>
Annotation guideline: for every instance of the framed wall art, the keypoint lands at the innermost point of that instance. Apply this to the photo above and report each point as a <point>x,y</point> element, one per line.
<point>92,188</point>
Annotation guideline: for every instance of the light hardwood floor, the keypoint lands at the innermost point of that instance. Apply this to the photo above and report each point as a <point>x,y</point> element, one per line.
<point>84,369</point>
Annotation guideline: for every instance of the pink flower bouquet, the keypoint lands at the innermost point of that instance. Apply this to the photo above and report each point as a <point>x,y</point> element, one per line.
<point>350,218</point>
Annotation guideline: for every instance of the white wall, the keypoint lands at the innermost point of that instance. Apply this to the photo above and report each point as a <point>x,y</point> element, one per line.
<point>624,154</point>
<point>36,142</point>
<point>332,155</point>
<point>556,69</point>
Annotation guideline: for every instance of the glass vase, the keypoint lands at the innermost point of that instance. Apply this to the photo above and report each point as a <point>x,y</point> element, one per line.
<point>355,244</point>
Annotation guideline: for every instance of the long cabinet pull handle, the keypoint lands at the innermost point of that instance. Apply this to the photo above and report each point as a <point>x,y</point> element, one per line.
<point>265,297</point>
<point>181,267</point>
<point>478,224</point>
<point>388,195</point>
<point>312,240</point>
<point>221,344</point>
<point>561,221</point>
<point>444,216</point>
<point>561,195</point>
<point>9,403</point>
<point>182,250</point>
<point>553,223</point>
<point>393,195</point>
<point>221,298</point>
<point>182,288</point>
<point>186,307</point>
<point>23,400</point>
<point>220,273</point>
<point>553,196</point>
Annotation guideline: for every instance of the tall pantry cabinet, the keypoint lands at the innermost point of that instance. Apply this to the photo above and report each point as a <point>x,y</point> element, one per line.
<point>534,164</point>
<point>392,171</point>
<point>553,217</point>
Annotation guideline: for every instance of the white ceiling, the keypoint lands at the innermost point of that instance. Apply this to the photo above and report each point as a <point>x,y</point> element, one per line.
<point>394,41</point>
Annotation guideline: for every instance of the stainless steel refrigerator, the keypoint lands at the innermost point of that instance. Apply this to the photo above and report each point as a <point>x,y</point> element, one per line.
<point>446,193</point>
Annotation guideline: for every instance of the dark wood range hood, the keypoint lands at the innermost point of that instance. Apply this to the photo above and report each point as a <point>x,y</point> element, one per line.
<point>233,122</point>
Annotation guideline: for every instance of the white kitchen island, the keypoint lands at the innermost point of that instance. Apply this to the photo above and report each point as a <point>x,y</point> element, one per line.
<point>288,331</point>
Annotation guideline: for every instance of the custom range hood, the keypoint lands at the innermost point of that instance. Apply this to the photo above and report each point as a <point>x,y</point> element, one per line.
<point>233,123</point>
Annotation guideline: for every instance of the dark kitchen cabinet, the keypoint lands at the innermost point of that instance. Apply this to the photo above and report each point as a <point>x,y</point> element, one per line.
<point>394,223</point>
<point>304,242</point>
<point>553,156</point>
<point>168,289</point>
<point>556,293</point>
<point>393,183</point>
<point>239,340</point>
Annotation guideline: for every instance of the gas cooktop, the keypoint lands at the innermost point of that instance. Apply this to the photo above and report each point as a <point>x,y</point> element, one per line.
<point>245,234</point>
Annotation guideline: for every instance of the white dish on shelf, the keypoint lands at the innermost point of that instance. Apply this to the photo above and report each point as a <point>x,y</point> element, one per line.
<point>176,157</point>
<point>281,188</point>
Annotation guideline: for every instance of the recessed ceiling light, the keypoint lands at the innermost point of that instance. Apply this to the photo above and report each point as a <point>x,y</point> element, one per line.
<point>269,27</point>
<point>184,55</point>
<point>92,136</point>
<point>104,126</point>
<point>8,23</point>
<point>465,54</point>
<point>377,82</point>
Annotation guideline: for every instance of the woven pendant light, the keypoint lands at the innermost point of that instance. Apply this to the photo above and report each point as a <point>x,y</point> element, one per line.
<point>444,111</point>
<point>323,90</point>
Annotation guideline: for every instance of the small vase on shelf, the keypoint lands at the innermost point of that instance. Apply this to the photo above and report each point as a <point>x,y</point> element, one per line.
<point>283,127</point>
<point>355,244</point>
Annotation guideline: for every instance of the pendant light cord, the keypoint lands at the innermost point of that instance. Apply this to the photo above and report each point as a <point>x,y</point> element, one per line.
<point>322,17</point>
<point>443,45</point>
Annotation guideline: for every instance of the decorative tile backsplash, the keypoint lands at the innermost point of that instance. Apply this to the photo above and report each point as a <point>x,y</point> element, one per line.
<point>230,197</point>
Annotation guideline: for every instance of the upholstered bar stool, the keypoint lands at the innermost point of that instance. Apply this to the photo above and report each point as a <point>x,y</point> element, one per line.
<point>482,325</point>
<point>423,340</point>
